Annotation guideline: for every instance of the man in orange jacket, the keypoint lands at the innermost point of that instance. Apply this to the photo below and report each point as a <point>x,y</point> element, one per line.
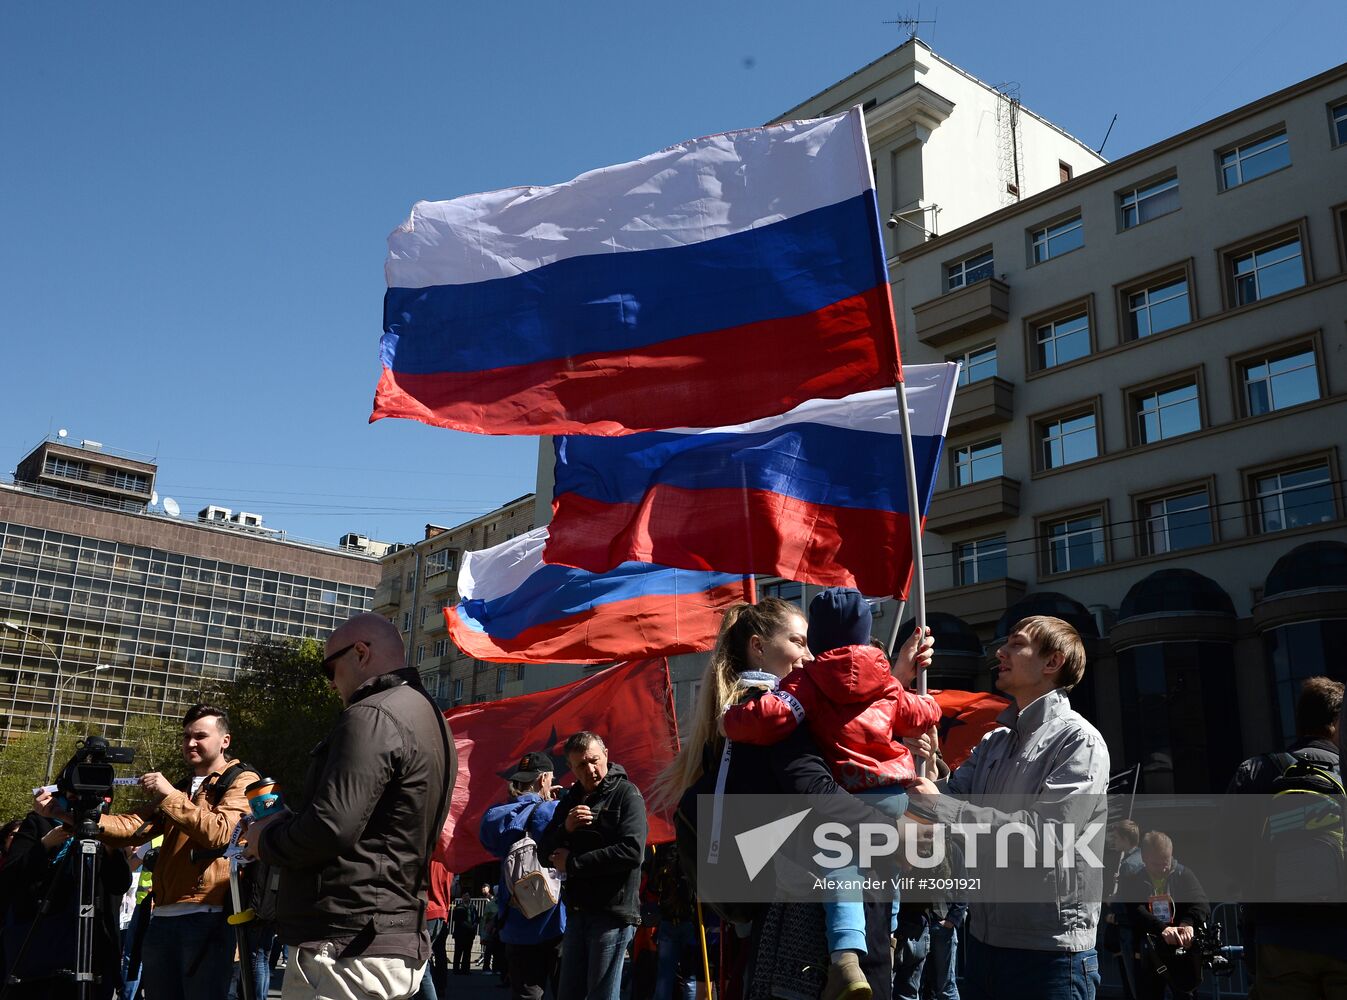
<point>188,951</point>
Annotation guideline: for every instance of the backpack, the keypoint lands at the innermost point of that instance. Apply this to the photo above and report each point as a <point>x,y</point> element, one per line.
<point>1303,852</point>
<point>259,882</point>
<point>534,887</point>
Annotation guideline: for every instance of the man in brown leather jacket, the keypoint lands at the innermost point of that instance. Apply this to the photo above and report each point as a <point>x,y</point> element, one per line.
<point>189,948</point>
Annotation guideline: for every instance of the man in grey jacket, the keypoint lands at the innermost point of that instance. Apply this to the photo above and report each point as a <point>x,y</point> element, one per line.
<point>1053,757</point>
<point>354,860</point>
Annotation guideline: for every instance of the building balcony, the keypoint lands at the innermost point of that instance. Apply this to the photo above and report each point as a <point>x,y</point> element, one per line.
<point>978,306</point>
<point>978,603</point>
<point>439,582</point>
<point>985,403</point>
<point>387,595</point>
<point>979,503</point>
<point>434,621</point>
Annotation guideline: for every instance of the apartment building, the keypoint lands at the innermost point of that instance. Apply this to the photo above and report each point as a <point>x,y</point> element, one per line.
<point>1149,436</point>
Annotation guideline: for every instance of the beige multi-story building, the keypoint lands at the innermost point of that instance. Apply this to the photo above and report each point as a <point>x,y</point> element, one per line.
<point>1149,438</point>
<point>113,607</point>
<point>418,581</point>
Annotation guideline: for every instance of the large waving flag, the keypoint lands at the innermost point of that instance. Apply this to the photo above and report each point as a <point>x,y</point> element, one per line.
<point>967,716</point>
<point>629,705</point>
<point>515,609</point>
<point>730,277</point>
<point>817,494</point>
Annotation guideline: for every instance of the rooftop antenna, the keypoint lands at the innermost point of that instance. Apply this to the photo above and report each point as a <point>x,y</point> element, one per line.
<point>1100,150</point>
<point>911,24</point>
<point>62,433</point>
<point>171,507</point>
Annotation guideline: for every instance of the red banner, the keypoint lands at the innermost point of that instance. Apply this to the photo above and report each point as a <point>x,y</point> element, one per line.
<point>968,716</point>
<point>629,705</point>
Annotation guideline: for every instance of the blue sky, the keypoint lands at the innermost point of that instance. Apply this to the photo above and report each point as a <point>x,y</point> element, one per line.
<point>195,197</point>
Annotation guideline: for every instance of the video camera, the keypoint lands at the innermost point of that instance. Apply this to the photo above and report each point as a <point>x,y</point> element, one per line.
<point>86,781</point>
<point>1212,951</point>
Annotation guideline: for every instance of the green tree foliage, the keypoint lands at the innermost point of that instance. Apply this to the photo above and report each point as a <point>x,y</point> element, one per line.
<point>23,767</point>
<point>280,707</point>
<point>158,745</point>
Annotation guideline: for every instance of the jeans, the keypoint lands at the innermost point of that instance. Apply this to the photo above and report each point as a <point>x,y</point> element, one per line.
<point>844,917</point>
<point>533,968</point>
<point>593,951</point>
<point>675,946</point>
<point>439,955</point>
<point>260,937</point>
<point>1020,974</point>
<point>940,977</point>
<point>190,957</point>
<point>909,959</point>
<point>131,977</point>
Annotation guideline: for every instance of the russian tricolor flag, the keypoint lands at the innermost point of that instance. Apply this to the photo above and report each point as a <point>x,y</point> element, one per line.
<point>515,609</point>
<point>720,280</point>
<point>817,494</point>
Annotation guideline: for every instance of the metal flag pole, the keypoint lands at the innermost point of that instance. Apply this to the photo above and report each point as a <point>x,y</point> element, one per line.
<point>917,592</point>
<point>899,606</point>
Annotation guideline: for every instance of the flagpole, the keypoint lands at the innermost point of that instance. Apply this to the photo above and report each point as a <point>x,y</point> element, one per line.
<point>706,961</point>
<point>899,606</point>
<point>917,592</point>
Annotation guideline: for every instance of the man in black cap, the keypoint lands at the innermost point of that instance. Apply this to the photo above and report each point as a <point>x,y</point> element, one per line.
<point>532,944</point>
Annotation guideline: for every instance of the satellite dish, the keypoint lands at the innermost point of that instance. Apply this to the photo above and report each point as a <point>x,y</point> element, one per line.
<point>171,507</point>
<point>62,433</point>
<point>154,498</point>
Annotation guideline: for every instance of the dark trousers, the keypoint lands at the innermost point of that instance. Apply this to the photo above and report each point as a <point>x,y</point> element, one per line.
<point>463,953</point>
<point>533,968</point>
<point>190,957</point>
<point>439,955</point>
<point>1021,974</point>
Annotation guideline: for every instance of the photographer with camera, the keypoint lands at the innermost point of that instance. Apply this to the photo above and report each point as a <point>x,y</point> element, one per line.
<point>188,951</point>
<point>1167,909</point>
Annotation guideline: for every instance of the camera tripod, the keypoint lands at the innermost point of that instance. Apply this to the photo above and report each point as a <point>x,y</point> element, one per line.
<point>84,852</point>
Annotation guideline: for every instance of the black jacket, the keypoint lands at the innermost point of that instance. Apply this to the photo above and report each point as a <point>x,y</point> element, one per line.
<point>603,872</point>
<point>1256,775</point>
<point>1190,900</point>
<point>353,862</point>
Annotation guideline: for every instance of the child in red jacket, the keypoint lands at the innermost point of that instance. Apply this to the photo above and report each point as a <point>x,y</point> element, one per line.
<point>857,712</point>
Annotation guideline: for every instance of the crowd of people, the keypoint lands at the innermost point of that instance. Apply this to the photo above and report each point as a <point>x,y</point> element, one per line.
<point>582,907</point>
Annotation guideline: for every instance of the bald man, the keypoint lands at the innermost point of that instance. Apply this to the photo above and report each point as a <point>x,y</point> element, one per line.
<point>354,859</point>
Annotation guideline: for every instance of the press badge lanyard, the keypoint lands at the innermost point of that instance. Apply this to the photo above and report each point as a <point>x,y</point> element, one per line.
<point>754,677</point>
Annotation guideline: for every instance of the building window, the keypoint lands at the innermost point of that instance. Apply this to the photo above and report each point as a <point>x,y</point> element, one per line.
<point>1149,201</point>
<point>1339,115</point>
<point>64,467</point>
<point>441,646</point>
<point>1181,521</point>
<point>1266,271</point>
<point>519,672</point>
<point>424,610</point>
<point>1057,239</point>
<point>458,690</point>
<point>977,364</point>
<point>1254,159</point>
<point>1294,498</point>
<point>500,680</point>
<point>1274,382</point>
<point>411,580</point>
<point>439,561</point>
<point>1165,413</point>
<point>1075,542</point>
<point>1064,172</point>
<point>406,621</point>
<point>1158,307</point>
<point>1062,340</point>
<point>1064,440</point>
<point>968,270</point>
<point>420,654</point>
<point>980,560</point>
<point>976,462</point>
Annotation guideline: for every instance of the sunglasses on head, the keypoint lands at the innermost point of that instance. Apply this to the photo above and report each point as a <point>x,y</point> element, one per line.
<point>330,662</point>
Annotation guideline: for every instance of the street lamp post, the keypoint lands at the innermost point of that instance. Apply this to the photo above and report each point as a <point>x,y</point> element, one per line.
<point>17,627</point>
<point>56,728</point>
